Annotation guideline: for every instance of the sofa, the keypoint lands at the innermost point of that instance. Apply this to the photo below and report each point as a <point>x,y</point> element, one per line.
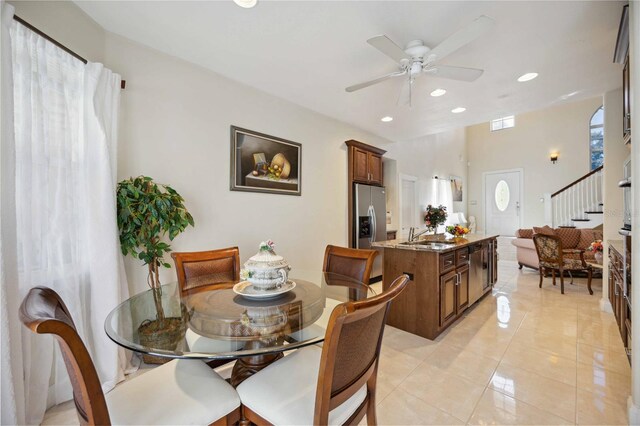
<point>572,239</point>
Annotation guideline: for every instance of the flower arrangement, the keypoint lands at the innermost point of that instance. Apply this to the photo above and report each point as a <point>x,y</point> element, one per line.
<point>435,216</point>
<point>457,230</point>
<point>596,246</point>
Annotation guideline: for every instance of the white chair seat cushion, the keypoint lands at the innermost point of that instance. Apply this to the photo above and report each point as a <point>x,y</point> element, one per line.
<point>284,393</point>
<point>184,392</point>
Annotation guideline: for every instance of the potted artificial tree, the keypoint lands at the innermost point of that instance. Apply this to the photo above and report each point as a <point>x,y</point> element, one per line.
<point>147,212</point>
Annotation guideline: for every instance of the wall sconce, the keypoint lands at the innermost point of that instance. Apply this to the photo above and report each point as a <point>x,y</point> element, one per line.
<point>554,157</point>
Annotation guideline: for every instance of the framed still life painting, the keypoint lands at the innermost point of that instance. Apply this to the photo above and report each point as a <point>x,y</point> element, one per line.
<point>263,163</point>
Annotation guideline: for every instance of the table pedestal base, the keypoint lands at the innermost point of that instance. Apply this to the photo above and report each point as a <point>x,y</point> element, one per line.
<point>246,367</point>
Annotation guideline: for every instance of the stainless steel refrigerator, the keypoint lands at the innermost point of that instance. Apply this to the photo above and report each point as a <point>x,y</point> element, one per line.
<point>370,215</point>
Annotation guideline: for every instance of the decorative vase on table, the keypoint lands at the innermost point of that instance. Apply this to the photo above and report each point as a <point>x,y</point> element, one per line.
<point>266,270</point>
<point>598,256</point>
<point>597,248</point>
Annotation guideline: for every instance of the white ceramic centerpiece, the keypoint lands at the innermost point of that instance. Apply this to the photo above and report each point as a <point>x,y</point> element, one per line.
<point>266,270</point>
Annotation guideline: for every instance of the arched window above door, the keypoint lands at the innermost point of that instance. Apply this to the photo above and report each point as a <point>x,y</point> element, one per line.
<point>596,138</point>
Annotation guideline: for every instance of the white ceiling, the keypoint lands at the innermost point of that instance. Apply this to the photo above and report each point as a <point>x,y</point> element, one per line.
<point>308,52</point>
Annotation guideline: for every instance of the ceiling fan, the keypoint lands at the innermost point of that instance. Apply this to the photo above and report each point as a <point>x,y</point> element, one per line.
<point>417,58</point>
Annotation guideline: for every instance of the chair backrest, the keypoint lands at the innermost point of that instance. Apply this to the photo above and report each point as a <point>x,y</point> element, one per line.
<point>351,349</point>
<point>44,312</point>
<point>549,249</point>
<point>200,270</point>
<point>354,263</point>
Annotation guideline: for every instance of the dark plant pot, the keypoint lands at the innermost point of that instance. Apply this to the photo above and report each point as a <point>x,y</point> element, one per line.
<point>166,334</point>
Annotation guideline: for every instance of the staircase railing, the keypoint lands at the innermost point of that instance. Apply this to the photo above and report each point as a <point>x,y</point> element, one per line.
<point>576,199</point>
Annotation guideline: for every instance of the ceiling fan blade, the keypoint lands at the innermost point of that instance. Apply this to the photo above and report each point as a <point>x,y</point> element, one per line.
<point>460,38</point>
<point>376,81</point>
<point>389,48</point>
<point>455,73</point>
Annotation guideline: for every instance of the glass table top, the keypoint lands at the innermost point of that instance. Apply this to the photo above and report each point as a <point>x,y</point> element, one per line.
<point>217,323</point>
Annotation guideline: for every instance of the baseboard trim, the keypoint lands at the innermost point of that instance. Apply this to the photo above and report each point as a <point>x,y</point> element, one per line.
<point>605,305</point>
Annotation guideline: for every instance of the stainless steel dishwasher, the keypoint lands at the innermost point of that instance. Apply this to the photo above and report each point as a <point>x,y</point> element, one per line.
<point>478,271</point>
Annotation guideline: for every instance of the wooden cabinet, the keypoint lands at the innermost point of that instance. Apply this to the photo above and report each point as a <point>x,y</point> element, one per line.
<point>448,304</point>
<point>454,285</point>
<point>375,169</point>
<point>626,102</point>
<point>364,166</point>
<point>365,163</point>
<point>438,293</point>
<point>620,293</point>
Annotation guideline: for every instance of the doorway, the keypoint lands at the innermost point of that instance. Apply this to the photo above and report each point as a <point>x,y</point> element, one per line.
<point>408,204</point>
<point>503,202</point>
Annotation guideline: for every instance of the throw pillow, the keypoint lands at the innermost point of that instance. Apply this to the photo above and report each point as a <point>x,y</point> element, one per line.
<point>545,230</point>
<point>524,233</point>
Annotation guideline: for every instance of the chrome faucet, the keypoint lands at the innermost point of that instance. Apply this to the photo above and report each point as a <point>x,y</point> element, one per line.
<point>412,233</point>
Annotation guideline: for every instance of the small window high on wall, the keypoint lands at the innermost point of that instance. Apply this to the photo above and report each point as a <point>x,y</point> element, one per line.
<point>503,123</point>
<point>596,139</point>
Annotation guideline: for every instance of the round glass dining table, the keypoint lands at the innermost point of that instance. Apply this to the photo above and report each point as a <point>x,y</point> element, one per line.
<point>213,322</point>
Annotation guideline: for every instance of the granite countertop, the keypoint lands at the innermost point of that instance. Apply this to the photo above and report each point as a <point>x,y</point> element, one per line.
<point>618,245</point>
<point>438,246</point>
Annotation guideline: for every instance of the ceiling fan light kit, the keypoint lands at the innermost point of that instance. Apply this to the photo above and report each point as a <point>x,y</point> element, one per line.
<point>417,58</point>
<point>247,4</point>
<point>527,77</point>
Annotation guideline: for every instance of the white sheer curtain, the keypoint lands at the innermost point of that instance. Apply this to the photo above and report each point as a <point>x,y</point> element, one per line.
<point>442,194</point>
<point>65,123</point>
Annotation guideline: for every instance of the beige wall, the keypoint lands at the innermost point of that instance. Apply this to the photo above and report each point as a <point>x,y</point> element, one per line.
<point>443,155</point>
<point>175,128</point>
<point>563,128</point>
<point>66,23</point>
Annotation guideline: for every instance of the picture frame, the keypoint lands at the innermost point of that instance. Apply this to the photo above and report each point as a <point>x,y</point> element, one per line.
<point>456,188</point>
<point>264,163</point>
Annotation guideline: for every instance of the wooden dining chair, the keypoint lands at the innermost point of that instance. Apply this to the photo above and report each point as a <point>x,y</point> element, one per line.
<point>335,384</point>
<point>203,270</point>
<point>354,263</point>
<point>178,392</point>
<point>552,258</point>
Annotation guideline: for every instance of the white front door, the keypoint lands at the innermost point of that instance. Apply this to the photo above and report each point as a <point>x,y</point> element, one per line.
<point>502,202</point>
<point>408,204</point>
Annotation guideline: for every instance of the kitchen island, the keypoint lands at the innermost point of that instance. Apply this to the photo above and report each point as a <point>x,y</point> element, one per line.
<point>447,277</point>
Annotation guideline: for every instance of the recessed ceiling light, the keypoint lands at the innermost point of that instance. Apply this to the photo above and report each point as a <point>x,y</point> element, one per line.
<point>438,92</point>
<point>386,119</point>
<point>458,110</point>
<point>247,4</point>
<point>528,76</point>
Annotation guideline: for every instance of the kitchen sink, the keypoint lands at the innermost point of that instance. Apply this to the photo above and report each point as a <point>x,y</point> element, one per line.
<point>436,244</point>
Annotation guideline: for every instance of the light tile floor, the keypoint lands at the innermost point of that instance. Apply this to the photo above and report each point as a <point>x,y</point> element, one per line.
<point>522,355</point>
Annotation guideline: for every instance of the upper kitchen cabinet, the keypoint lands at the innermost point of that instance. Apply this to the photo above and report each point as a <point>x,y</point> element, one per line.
<point>621,56</point>
<point>365,163</point>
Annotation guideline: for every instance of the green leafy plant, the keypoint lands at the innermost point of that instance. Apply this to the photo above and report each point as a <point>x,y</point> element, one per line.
<point>435,216</point>
<point>147,212</point>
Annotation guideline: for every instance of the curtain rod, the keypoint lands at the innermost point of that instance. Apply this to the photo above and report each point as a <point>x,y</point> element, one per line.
<point>57,43</point>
